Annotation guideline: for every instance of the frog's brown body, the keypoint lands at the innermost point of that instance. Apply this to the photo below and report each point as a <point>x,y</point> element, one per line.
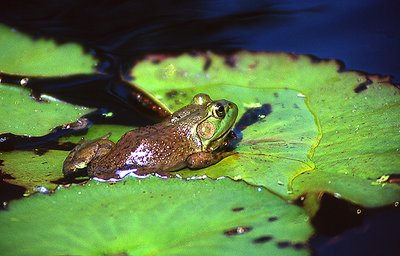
<point>189,137</point>
<point>138,149</point>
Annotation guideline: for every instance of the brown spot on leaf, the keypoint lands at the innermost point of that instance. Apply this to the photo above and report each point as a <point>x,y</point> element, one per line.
<point>266,140</point>
<point>283,244</point>
<point>362,86</point>
<point>230,61</point>
<point>295,56</point>
<point>172,94</point>
<point>254,64</point>
<point>272,219</point>
<point>299,246</point>
<point>238,209</point>
<point>207,64</point>
<point>262,239</point>
<point>237,231</point>
<point>175,93</point>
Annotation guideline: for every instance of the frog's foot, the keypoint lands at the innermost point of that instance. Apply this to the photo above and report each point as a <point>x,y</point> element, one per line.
<point>203,159</point>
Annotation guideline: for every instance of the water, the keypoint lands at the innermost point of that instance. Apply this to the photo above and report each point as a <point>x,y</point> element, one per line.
<point>363,34</point>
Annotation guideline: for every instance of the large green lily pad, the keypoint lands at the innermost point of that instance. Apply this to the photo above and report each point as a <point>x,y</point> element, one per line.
<point>155,217</point>
<point>23,55</point>
<point>348,129</point>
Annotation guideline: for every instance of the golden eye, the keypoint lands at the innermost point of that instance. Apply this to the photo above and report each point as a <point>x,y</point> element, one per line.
<point>219,110</point>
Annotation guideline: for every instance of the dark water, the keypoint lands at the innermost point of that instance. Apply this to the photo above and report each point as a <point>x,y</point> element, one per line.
<point>363,34</point>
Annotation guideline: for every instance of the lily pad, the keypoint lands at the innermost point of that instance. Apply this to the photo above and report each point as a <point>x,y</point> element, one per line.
<point>23,55</point>
<point>33,171</point>
<point>46,66</point>
<point>22,115</point>
<point>155,216</point>
<point>352,138</point>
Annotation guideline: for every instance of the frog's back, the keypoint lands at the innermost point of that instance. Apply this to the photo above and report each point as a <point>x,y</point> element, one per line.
<point>159,147</point>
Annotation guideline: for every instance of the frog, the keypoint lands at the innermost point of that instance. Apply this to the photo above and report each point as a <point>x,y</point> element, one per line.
<point>194,136</point>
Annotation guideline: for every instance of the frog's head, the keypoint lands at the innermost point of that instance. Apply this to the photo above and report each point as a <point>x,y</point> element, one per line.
<point>219,117</point>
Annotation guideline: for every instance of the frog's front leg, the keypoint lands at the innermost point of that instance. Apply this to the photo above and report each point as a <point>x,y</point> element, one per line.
<point>203,159</point>
<point>85,153</point>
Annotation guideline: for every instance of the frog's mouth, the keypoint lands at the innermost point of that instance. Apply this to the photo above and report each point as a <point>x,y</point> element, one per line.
<point>220,141</point>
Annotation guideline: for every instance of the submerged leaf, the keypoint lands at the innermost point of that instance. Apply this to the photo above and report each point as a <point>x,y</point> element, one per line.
<point>341,139</point>
<point>98,131</point>
<point>155,216</point>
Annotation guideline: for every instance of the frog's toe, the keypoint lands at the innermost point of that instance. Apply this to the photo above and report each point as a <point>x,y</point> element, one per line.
<point>76,170</point>
<point>73,165</point>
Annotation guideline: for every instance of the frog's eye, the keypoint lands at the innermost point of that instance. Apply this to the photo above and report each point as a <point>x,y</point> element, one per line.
<point>219,110</point>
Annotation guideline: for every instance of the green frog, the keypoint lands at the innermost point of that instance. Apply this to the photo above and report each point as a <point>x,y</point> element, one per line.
<point>191,137</point>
